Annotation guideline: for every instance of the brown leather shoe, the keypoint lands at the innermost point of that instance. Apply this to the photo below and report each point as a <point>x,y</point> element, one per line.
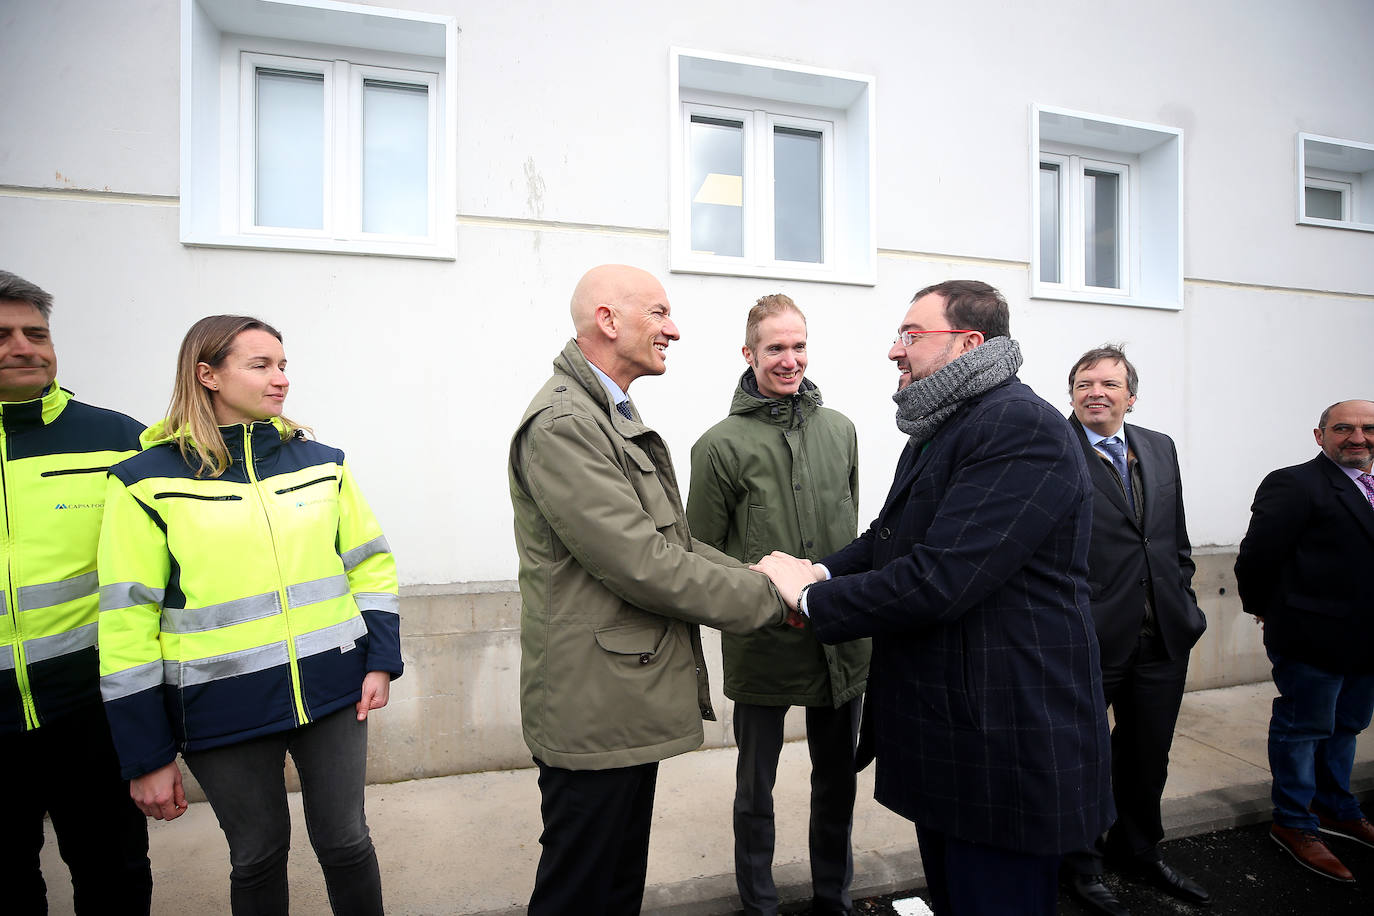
<point>1359,829</point>
<point>1311,853</point>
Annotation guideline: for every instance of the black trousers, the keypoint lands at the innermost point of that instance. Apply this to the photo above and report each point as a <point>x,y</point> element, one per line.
<point>68,769</point>
<point>830,737</point>
<point>971,879</point>
<point>1145,695</point>
<point>595,841</point>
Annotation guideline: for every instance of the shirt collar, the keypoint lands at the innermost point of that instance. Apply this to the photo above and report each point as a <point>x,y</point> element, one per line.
<point>1095,438</point>
<point>617,396</point>
<point>1352,473</point>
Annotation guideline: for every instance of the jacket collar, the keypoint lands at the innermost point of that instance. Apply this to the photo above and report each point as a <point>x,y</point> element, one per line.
<point>1347,492</point>
<point>788,412</point>
<point>573,364</point>
<point>267,436</point>
<point>40,411</point>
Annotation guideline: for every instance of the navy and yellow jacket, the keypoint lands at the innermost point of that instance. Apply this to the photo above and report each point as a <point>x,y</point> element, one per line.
<point>54,452</point>
<point>241,605</point>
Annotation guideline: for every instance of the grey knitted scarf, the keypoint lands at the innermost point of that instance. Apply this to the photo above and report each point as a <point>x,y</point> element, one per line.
<point>925,404</point>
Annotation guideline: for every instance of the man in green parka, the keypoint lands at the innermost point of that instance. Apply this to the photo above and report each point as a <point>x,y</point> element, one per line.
<point>781,472</point>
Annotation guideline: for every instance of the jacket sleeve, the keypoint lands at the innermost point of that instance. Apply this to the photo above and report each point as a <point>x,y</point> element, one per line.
<point>1277,519</point>
<point>371,572</point>
<point>710,501</point>
<point>1186,566</point>
<point>1012,486</point>
<point>612,529</point>
<point>134,566</point>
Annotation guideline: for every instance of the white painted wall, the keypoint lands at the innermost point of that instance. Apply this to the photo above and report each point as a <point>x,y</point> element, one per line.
<point>419,369</point>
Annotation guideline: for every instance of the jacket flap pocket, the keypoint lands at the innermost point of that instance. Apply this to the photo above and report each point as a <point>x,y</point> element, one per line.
<point>641,460</point>
<point>631,639</point>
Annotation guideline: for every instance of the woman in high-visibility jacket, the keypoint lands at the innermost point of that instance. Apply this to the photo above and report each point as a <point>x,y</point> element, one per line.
<point>248,608</point>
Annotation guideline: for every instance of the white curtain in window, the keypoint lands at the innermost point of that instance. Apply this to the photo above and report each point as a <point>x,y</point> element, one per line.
<point>395,193</point>
<point>289,160</point>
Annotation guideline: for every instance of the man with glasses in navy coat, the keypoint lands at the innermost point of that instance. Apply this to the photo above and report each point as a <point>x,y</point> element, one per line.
<point>984,708</point>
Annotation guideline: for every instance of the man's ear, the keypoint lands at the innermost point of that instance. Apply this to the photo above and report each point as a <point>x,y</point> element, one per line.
<point>606,321</point>
<point>748,355</point>
<point>973,340</point>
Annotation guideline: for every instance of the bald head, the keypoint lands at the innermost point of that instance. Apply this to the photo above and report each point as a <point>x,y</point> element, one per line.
<point>620,314</point>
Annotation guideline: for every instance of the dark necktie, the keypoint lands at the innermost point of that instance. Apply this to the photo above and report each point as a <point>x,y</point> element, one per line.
<point>624,408</point>
<point>1115,448</point>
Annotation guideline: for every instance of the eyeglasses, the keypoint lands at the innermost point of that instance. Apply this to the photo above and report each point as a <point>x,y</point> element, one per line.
<point>907,338</point>
<point>1345,429</point>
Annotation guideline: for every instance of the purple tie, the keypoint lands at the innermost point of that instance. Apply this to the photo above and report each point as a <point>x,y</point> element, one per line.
<point>1367,481</point>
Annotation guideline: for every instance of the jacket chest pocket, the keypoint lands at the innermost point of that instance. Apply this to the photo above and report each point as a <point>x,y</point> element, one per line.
<point>644,478</point>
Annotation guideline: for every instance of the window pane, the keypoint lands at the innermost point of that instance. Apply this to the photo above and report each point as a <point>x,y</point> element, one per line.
<point>1049,222</point>
<point>289,162</point>
<point>1102,228</point>
<point>1323,203</point>
<point>395,158</point>
<point>798,182</point>
<point>717,183</point>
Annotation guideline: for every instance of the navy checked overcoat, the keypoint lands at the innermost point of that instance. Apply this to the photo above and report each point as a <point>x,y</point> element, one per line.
<point>984,705</point>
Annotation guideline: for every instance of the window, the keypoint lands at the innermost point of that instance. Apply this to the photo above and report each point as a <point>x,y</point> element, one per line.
<point>317,127</point>
<point>1336,181</point>
<point>772,170</point>
<point>1108,210</point>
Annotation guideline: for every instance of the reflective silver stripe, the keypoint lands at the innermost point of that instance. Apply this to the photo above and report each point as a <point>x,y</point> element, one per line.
<point>378,601</point>
<point>352,558</point>
<point>316,591</point>
<point>334,637</point>
<point>46,647</point>
<point>130,681</point>
<point>200,619</point>
<point>33,597</point>
<point>6,658</point>
<point>231,664</point>
<point>119,595</point>
<point>3,604</point>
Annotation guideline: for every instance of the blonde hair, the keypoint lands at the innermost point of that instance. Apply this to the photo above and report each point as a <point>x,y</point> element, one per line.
<point>767,307</point>
<point>191,415</point>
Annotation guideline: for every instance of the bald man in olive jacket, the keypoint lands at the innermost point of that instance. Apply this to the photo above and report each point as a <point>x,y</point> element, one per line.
<point>613,588</point>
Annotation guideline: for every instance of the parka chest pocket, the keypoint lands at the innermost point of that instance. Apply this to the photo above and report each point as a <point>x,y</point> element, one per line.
<point>637,642</point>
<point>644,478</point>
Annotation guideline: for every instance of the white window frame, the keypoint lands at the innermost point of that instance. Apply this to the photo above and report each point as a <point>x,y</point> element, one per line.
<point>838,105</point>
<point>1346,166</point>
<point>223,44</point>
<point>759,241</point>
<point>1149,157</point>
<point>1073,163</point>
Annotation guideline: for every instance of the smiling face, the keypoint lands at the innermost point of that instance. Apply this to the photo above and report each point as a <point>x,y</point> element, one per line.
<point>643,331</point>
<point>779,360</point>
<point>1101,396</point>
<point>28,363</point>
<point>929,352</point>
<point>1346,437</point>
<point>251,382</point>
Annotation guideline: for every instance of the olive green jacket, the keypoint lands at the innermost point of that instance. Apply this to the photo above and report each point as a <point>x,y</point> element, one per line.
<point>781,474</point>
<point>612,586</point>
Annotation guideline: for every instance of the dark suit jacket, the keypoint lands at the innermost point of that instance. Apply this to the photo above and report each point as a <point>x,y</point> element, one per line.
<point>1304,567</point>
<point>1128,557</point>
<point>984,696</point>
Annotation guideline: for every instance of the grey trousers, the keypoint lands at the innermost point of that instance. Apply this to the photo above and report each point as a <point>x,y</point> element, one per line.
<point>830,736</point>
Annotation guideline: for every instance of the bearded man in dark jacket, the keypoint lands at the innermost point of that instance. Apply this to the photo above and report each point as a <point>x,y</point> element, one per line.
<point>781,472</point>
<point>984,707</point>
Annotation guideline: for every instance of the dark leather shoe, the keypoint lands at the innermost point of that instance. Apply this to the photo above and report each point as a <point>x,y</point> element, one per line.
<point>1095,896</point>
<point>1311,852</point>
<point>1162,875</point>
<point>1358,829</point>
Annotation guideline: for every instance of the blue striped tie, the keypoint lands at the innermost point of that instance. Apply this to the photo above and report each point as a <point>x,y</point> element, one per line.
<point>1117,450</point>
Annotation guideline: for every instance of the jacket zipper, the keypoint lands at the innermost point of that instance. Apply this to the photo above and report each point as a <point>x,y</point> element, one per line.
<point>292,662</point>
<point>21,665</point>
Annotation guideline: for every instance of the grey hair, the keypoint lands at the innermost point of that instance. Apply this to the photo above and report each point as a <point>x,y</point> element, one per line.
<point>14,288</point>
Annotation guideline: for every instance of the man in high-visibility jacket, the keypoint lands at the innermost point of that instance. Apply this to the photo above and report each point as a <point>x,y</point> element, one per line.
<point>54,739</point>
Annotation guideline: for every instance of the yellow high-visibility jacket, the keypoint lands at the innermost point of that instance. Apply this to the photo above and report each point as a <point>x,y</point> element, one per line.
<point>241,605</point>
<point>54,452</point>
